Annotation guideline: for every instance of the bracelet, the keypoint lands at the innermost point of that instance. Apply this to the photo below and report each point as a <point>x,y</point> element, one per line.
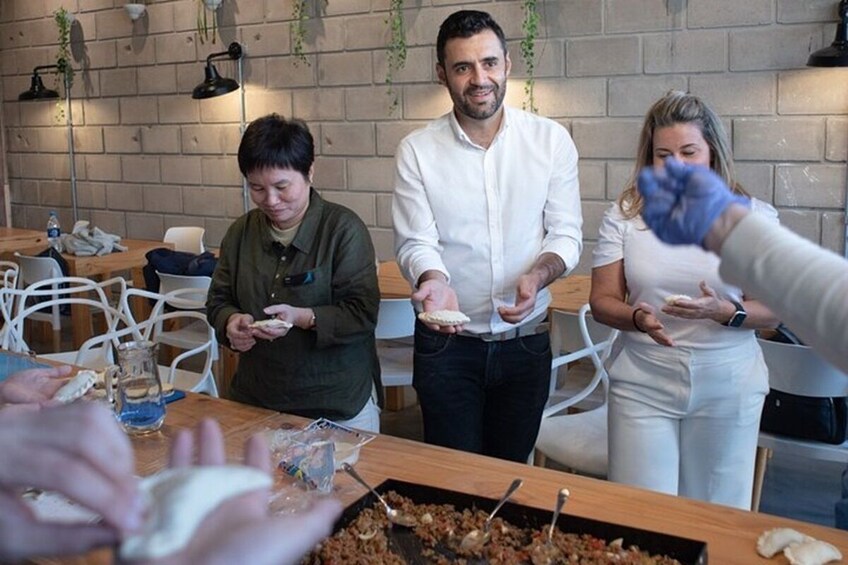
<point>633,318</point>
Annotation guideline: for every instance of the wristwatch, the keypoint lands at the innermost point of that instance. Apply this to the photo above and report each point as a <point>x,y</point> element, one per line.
<point>738,317</point>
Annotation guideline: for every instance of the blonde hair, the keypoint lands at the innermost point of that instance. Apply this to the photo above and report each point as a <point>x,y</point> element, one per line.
<point>678,107</point>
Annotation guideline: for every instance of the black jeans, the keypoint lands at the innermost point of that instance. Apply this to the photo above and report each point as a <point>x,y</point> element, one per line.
<point>482,397</point>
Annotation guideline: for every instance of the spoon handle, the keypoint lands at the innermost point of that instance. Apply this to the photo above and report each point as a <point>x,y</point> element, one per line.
<point>562,496</point>
<point>350,471</point>
<point>516,484</point>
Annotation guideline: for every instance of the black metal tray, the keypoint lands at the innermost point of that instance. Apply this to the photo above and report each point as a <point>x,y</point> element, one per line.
<point>687,551</point>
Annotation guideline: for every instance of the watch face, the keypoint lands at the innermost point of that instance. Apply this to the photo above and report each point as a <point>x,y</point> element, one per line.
<point>738,319</point>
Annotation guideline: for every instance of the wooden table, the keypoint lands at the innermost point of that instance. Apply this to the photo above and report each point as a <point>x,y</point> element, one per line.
<point>133,260</point>
<point>15,239</point>
<point>567,294</point>
<point>731,534</point>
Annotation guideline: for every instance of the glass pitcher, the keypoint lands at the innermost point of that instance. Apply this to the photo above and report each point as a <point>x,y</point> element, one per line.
<point>139,405</point>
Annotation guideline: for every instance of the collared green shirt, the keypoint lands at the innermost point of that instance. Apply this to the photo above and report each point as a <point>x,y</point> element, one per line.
<point>328,371</point>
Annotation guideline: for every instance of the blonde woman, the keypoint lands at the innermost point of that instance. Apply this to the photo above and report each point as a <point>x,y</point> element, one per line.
<point>688,380</point>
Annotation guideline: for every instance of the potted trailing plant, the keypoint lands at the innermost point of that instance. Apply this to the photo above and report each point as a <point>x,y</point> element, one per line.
<point>530,26</point>
<point>298,31</point>
<point>65,75</point>
<point>207,24</point>
<point>396,56</point>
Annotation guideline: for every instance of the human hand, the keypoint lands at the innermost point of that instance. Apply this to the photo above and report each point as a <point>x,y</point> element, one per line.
<point>707,306</point>
<point>33,386</point>
<point>436,294</point>
<point>683,201</point>
<point>300,317</point>
<point>240,529</point>
<point>239,332</point>
<point>78,450</point>
<point>648,322</point>
<point>525,300</point>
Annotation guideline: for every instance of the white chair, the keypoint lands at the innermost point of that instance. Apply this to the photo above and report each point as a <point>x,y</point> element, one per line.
<point>186,238</point>
<point>33,270</point>
<point>10,271</point>
<point>797,369</point>
<point>193,334</point>
<point>395,327</point>
<point>578,440</point>
<point>194,337</point>
<point>96,352</point>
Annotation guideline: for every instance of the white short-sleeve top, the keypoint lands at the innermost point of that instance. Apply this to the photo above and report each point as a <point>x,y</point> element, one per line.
<point>654,270</point>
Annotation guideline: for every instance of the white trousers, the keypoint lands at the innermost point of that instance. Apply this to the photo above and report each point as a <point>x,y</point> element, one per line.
<point>686,422</point>
<point>368,419</point>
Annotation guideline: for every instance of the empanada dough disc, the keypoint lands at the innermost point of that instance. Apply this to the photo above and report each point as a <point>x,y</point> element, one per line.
<point>181,498</point>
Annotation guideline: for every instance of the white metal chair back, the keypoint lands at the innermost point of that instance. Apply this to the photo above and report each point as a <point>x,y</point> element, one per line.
<point>194,335</point>
<point>797,369</point>
<point>186,238</point>
<point>578,440</point>
<point>10,271</point>
<point>33,270</point>
<point>169,283</point>
<point>95,352</point>
<point>395,320</point>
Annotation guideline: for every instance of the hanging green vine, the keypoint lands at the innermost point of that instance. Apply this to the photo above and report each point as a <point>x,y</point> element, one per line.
<point>207,25</point>
<point>396,57</point>
<point>63,21</point>
<point>298,31</point>
<point>530,26</point>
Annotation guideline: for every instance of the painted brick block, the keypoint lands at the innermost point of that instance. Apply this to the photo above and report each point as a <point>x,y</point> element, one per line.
<point>336,69</point>
<point>757,179</point>
<point>367,32</point>
<point>109,221</point>
<point>176,48</point>
<point>810,186</point>
<point>570,18</point>
<point>549,61</point>
<point>221,109</point>
<point>833,232</point>
<point>728,13</point>
<point>348,139</point>
<point>813,91</point>
<point>288,72</point>
<point>793,11</point>
<point>805,223</point>
<point>112,24</point>
<point>210,139</point>
<point>606,139</point>
<point>36,166</point>
<point>52,140</point>
<point>837,139</point>
<point>425,102</point>
<point>324,35</point>
<point>619,175</point>
<point>264,102</point>
<point>774,139</point>
<point>319,104</point>
<point>330,173</point>
<point>160,139</point>
<point>163,198</point>
<point>420,66</point>
<point>91,195</point>
<point>265,40</point>
<point>220,171</point>
<point>363,204</point>
<point>632,96</point>
<point>737,94</point>
<point>54,193</point>
<point>390,134</point>
<point>181,170</point>
<point>161,79</point>
<point>693,51</point>
<point>371,175</point>
<point>778,47</point>
<point>367,103</point>
<point>384,210</point>
<point>602,56</point>
<point>139,110</point>
<point>204,201</point>
<point>593,214</point>
<point>122,139</point>
<point>121,196</point>
<point>129,54</point>
<point>178,109</point>
<point>384,243</point>
<point>144,226</point>
<point>592,177</point>
<point>101,112</point>
<point>644,15</point>
<point>102,167</point>
<point>140,168</point>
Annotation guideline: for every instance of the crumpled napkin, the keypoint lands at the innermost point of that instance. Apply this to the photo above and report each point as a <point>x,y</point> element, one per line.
<point>86,242</point>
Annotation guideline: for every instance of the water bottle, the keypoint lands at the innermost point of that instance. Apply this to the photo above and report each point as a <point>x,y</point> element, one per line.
<point>54,231</point>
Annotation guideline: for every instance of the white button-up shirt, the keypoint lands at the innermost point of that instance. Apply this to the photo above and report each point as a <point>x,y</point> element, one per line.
<point>483,216</point>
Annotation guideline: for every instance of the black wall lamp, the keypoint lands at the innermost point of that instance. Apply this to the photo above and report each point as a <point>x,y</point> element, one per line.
<point>37,91</point>
<point>214,84</point>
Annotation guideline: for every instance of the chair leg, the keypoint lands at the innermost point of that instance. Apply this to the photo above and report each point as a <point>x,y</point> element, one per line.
<point>394,398</point>
<point>760,463</point>
<point>539,458</point>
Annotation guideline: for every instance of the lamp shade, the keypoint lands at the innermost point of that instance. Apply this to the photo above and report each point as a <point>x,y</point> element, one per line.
<point>835,55</point>
<point>37,90</point>
<point>214,84</point>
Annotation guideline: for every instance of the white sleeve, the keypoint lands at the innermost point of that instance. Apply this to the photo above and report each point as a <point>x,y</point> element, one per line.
<point>805,285</point>
<point>563,215</point>
<point>416,237</point>
<point>610,247</point>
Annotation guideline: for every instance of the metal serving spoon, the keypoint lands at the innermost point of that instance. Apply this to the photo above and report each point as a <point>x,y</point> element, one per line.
<point>478,538</point>
<point>395,516</point>
<point>562,498</point>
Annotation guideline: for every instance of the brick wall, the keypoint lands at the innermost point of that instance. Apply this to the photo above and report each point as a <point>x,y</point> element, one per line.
<point>149,157</point>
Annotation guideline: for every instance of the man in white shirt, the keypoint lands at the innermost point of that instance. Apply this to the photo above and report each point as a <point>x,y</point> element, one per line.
<point>486,214</point>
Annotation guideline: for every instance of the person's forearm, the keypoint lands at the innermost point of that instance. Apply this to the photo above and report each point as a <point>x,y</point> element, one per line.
<point>614,313</point>
<point>430,275</point>
<point>722,227</point>
<point>547,268</point>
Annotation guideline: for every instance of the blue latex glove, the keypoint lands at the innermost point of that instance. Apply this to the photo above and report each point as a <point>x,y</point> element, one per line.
<point>683,201</point>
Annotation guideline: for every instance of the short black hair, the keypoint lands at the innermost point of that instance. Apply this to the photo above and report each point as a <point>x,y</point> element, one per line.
<point>275,142</point>
<point>466,23</point>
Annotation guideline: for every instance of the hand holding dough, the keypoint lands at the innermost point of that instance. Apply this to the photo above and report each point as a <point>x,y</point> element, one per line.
<point>444,318</point>
<point>181,498</point>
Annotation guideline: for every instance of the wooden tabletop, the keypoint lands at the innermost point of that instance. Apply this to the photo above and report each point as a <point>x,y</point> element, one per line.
<point>567,294</point>
<point>730,534</point>
<point>15,239</point>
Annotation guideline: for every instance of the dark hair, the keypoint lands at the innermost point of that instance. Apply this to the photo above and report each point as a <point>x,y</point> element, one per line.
<point>466,23</point>
<point>275,142</point>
